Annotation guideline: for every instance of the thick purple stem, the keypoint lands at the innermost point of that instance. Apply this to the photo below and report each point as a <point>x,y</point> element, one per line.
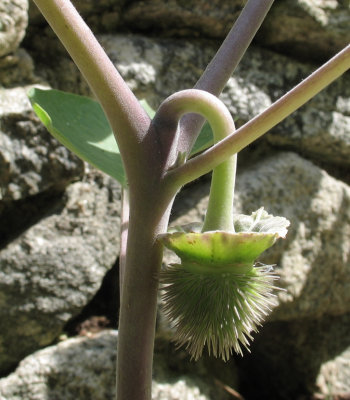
<point>129,121</point>
<point>224,63</point>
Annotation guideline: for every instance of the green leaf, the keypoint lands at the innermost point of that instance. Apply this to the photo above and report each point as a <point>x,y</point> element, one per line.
<point>204,140</point>
<point>80,124</point>
<point>149,110</point>
<point>261,221</point>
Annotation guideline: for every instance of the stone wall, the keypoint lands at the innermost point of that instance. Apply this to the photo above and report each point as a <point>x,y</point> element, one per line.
<point>59,218</point>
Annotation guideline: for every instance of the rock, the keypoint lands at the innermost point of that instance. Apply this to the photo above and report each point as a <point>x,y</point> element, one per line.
<point>84,368</point>
<point>304,357</point>
<point>323,23</point>
<point>100,15</point>
<point>193,18</point>
<point>319,130</point>
<point>334,375</point>
<point>54,268</point>
<point>13,23</point>
<point>307,29</point>
<point>74,369</point>
<point>31,160</point>
<point>314,259</point>
<point>17,69</point>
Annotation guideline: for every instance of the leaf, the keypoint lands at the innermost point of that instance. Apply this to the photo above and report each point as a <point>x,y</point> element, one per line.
<point>261,221</point>
<point>149,110</point>
<point>80,124</point>
<point>204,140</point>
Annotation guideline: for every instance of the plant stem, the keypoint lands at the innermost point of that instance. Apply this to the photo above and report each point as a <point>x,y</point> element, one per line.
<point>128,120</point>
<point>139,295</point>
<point>263,122</point>
<point>220,209</point>
<point>224,63</point>
<point>219,215</point>
<point>150,205</point>
<point>196,101</point>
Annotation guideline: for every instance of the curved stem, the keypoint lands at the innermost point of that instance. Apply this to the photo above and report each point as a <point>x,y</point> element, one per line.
<point>263,122</point>
<point>220,208</point>
<point>219,214</point>
<point>181,103</point>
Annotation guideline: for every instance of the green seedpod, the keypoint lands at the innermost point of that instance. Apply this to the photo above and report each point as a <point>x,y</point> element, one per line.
<point>218,295</point>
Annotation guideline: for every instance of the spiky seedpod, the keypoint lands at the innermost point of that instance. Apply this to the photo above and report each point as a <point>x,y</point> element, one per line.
<point>217,296</point>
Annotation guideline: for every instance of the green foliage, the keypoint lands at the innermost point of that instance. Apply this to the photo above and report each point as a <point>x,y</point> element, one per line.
<point>80,124</point>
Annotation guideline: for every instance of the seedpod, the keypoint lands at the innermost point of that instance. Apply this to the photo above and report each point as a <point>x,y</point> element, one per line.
<point>218,294</point>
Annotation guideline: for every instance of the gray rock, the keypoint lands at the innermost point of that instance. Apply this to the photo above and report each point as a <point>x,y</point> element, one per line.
<point>193,18</point>
<point>80,368</point>
<point>305,28</point>
<point>320,130</point>
<point>156,68</point>
<point>84,368</point>
<point>304,357</point>
<point>313,261</point>
<point>31,160</point>
<point>13,23</point>
<point>17,69</point>
<point>52,270</point>
<point>334,375</point>
<point>100,15</point>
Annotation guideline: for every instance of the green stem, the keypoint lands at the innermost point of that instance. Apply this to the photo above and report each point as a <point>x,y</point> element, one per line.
<point>220,209</point>
<point>219,214</point>
<point>263,122</point>
<point>181,103</point>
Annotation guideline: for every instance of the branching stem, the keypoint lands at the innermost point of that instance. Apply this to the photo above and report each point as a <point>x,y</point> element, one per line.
<point>263,122</point>
<point>150,152</point>
<point>225,61</point>
<point>220,209</point>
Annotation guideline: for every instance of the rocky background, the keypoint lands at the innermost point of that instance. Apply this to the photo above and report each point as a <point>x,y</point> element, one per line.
<point>59,218</point>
